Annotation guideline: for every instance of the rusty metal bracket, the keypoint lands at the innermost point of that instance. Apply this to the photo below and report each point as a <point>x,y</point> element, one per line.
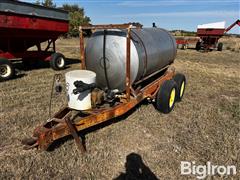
<point>73,132</point>
<point>30,143</point>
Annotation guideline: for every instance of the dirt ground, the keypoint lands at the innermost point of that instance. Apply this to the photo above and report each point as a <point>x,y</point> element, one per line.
<point>205,126</point>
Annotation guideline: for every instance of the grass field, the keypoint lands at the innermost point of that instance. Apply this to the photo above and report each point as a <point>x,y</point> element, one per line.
<point>205,126</point>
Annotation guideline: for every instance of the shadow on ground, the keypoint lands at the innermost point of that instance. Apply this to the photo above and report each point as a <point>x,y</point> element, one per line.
<point>136,169</point>
<point>189,48</point>
<point>37,64</point>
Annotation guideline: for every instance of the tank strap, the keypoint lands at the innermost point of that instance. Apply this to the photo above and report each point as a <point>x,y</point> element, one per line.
<point>146,56</point>
<point>104,58</point>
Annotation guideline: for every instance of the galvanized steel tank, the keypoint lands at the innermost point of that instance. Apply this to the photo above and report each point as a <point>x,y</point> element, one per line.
<point>151,50</point>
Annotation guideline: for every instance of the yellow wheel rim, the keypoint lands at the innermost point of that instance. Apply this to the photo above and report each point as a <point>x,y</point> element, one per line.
<point>182,89</point>
<point>172,97</point>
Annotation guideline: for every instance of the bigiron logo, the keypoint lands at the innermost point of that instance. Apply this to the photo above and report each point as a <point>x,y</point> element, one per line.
<point>202,171</point>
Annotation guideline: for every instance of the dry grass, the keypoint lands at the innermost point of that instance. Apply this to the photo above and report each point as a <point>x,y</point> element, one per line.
<point>204,127</point>
<point>231,43</point>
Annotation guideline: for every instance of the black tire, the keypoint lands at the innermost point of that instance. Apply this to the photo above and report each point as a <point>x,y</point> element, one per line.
<point>198,46</point>
<point>220,46</point>
<point>183,46</point>
<point>180,80</point>
<point>162,100</point>
<point>7,70</point>
<point>57,61</point>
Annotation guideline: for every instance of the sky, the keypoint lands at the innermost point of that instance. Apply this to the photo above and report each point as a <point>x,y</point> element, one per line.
<point>167,14</point>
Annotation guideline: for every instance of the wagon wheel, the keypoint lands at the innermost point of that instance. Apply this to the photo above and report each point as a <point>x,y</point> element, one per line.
<point>184,46</point>
<point>6,69</point>
<point>57,61</point>
<point>180,80</point>
<point>220,46</point>
<point>198,46</point>
<point>166,96</point>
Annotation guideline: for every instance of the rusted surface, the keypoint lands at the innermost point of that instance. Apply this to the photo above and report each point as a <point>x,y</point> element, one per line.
<point>151,75</point>
<point>82,52</point>
<point>46,135</point>
<point>152,89</point>
<point>111,26</point>
<point>73,131</point>
<point>60,114</point>
<point>128,63</point>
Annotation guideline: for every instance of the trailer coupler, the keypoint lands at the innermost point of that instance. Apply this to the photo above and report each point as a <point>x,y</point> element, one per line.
<point>43,137</point>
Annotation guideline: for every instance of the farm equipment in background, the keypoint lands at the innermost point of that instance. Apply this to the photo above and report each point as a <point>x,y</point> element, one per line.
<point>184,42</point>
<point>208,36</point>
<point>237,22</point>
<point>25,25</point>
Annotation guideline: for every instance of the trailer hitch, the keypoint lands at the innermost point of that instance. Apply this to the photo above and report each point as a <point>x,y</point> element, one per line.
<point>43,137</point>
<point>30,143</point>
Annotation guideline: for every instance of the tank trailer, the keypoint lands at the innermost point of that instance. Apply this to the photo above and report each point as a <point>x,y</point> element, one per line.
<point>121,65</point>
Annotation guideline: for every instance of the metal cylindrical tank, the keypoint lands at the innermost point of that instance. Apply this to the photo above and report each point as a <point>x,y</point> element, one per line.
<point>151,50</point>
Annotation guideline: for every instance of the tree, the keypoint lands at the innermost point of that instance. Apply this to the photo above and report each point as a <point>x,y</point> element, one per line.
<point>48,3</point>
<point>76,18</point>
<point>72,8</point>
<point>37,2</point>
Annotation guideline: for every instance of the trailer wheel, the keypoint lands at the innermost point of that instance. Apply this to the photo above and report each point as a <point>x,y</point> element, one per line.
<point>184,46</point>
<point>57,61</point>
<point>220,46</point>
<point>6,70</point>
<point>198,46</point>
<point>180,80</point>
<point>165,98</point>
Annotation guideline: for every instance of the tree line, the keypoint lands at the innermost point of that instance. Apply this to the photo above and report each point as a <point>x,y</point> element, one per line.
<point>77,15</point>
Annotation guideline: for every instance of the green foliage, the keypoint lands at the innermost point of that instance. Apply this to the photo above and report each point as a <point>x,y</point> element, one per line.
<point>48,3</point>
<point>37,2</point>
<point>76,15</point>
<point>72,8</point>
<point>76,18</point>
<point>183,33</point>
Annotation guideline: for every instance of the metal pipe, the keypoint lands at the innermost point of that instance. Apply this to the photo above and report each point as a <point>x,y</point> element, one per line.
<point>128,63</point>
<point>82,52</point>
<point>54,45</point>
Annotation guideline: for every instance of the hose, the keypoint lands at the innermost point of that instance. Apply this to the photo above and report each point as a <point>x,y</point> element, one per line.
<point>56,79</point>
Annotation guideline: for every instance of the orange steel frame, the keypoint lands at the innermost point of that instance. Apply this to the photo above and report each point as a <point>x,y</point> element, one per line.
<point>60,124</point>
